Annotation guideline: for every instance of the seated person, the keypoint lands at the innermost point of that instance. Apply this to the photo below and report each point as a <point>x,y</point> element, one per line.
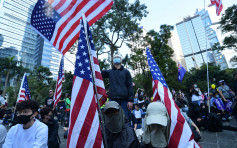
<point>118,133</point>
<point>48,119</point>
<point>192,125</point>
<point>138,113</point>
<point>156,126</point>
<point>29,132</point>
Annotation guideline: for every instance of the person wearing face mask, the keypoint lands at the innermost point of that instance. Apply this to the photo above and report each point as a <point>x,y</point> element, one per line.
<point>196,95</point>
<point>118,133</point>
<point>47,118</point>
<point>49,100</point>
<point>29,132</point>
<point>120,85</point>
<point>156,126</point>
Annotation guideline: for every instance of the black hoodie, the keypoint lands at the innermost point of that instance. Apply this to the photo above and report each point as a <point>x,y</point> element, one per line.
<point>120,83</point>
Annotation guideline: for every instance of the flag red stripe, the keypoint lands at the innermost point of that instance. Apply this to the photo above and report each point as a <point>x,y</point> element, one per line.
<point>65,11</point>
<point>23,91</point>
<point>69,45</point>
<point>87,124</point>
<point>98,140</point>
<point>60,29</point>
<point>96,60</point>
<point>77,105</point>
<point>59,4</point>
<point>98,75</point>
<point>106,9</point>
<point>22,96</point>
<point>178,130</point>
<point>77,23</point>
<point>96,5</point>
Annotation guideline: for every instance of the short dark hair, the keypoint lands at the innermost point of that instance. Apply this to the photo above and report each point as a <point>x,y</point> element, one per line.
<point>28,104</point>
<point>45,111</point>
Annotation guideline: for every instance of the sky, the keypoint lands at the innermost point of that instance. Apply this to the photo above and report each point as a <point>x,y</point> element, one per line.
<point>171,12</point>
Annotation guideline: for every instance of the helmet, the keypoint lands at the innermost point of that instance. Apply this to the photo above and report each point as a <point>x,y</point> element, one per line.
<point>213,86</point>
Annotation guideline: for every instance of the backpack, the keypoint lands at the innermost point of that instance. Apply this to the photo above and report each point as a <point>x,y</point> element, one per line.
<point>214,122</point>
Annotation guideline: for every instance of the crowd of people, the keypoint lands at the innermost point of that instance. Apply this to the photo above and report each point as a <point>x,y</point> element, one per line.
<point>131,119</point>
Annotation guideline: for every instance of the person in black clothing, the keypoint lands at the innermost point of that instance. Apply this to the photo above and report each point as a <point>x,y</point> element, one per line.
<point>120,85</point>
<point>235,91</point>
<point>47,118</point>
<point>49,100</point>
<point>198,115</point>
<point>118,133</point>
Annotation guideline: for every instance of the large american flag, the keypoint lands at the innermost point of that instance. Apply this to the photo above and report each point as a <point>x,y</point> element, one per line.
<point>180,133</point>
<point>218,4</point>
<point>58,21</point>
<point>24,92</point>
<point>58,89</point>
<point>84,128</point>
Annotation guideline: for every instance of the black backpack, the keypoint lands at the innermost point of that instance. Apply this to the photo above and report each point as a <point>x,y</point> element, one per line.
<point>214,122</point>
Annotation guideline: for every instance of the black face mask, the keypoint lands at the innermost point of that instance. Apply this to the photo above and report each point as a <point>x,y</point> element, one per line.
<point>23,119</point>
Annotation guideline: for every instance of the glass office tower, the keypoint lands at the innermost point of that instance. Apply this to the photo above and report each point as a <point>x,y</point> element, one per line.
<point>17,38</point>
<point>46,55</point>
<point>194,41</point>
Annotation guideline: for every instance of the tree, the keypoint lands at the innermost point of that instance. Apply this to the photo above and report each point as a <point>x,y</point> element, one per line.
<point>199,76</point>
<point>67,84</point>
<point>9,71</point>
<point>117,25</point>
<point>40,81</point>
<point>162,53</point>
<point>228,25</point>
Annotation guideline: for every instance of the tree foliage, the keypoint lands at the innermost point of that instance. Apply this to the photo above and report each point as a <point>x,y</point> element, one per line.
<point>199,76</point>
<point>228,24</point>
<point>116,26</point>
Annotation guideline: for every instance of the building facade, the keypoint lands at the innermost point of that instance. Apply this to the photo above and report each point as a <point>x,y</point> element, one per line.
<point>46,55</point>
<point>17,38</point>
<point>196,39</point>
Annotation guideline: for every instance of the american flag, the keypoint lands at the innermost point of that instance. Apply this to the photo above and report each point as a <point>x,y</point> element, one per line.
<point>98,77</point>
<point>180,133</point>
<point>218,4</point>
<point>84,128</point>
<point>58,21</point>
<point>58,90</point>
<point>24,92</point>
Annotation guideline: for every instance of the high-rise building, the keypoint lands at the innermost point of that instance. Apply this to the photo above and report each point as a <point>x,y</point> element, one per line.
<point>17,38</point>
<point>47,56</point>
<point>195,39</point>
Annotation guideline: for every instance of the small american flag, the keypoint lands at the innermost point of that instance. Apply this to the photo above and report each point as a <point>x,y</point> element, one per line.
<point>58,21</point>
<point>24,92</point>
<point>180,132</point>
<point>84,128</point>
<point>218,4</point>
<point>58,90</point>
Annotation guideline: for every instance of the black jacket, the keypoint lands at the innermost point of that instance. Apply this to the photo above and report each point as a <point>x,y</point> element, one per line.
<point>53,138</point>
<point>125,139</point>
<point>120,83</point>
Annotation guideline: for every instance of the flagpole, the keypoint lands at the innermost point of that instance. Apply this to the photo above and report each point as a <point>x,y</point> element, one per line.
<point>208,91</point>
<point>19,92</point>
<point>93,79</point>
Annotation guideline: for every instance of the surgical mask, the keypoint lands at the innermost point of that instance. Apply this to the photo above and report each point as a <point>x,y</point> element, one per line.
<point>117,60</point>
<point>217,96</point>
<point>23,119</point>
<point>195,86</point>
